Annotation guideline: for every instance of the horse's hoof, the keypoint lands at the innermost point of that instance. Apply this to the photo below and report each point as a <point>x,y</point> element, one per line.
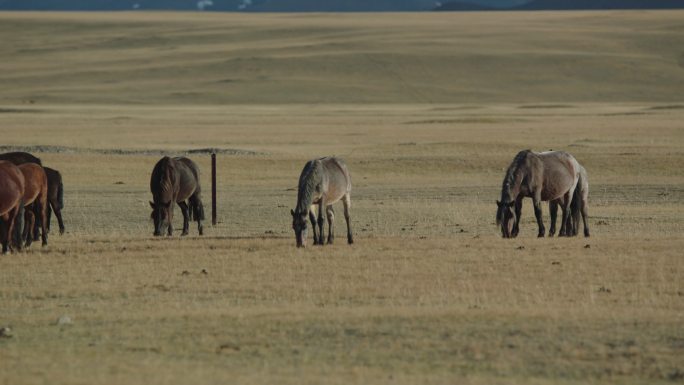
<point>330,241</point>
<point>350,241</point>
<point>184,233</point>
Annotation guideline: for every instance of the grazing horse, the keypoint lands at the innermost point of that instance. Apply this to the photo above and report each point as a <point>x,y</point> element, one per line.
<point>55,188</point>
<point>175,180</point>
<point>35,200</point>
<point>579,204</point>
<point>544,176</point>
<point>20,157</point>
<point>55,198</point>
<point>11,202</point>
<point>322,182</point>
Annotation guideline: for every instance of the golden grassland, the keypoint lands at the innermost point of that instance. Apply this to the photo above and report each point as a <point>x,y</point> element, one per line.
<point>429,292</point>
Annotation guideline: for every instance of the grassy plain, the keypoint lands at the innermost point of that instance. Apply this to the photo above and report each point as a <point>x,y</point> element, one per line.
<point>428,111</point>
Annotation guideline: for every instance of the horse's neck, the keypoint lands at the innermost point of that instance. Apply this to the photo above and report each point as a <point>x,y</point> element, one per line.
<point>307,192</point>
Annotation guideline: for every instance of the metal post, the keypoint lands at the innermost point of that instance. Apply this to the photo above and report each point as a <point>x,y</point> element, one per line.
<point>213,189</point>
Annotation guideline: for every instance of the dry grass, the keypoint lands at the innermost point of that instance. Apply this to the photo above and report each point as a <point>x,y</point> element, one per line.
<point>429,293</point>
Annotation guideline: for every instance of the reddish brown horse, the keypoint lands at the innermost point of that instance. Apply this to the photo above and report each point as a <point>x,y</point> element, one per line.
<point>35,200</point>
<point>175,180</point>
<point>55,188</point>
<point>11,202</point>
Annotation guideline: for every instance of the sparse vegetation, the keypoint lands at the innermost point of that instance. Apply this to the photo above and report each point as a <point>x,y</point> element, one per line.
<point>429,292</point>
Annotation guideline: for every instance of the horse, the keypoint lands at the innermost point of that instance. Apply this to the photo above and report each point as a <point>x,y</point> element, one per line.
<point>578,205</point>
<point>544,176</point>
<point>35,200</point>
<point>55,198</point>
<point>55,188</point>
<point>20,157</point>
<point>175,180</point>
<point>11,202</point>
<point>322,182</point>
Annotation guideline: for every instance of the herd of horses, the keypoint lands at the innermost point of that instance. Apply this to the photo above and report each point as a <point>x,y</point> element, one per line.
<point>29,192</point>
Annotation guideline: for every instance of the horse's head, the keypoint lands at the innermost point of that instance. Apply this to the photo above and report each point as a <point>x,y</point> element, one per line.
<point>162,216</point>
<point>299,227</point>
<point>505,217</point>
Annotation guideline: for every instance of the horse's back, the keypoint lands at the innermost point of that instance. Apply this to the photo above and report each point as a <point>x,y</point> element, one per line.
<point>20,157</point>
<point>339,179</point>
<point>188,172</point>
<point>561,173</point>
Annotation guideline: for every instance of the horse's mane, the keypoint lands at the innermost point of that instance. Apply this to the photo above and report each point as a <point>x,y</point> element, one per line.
<point>307,185</point>
<point>509,179</point>
<point>163,176</point>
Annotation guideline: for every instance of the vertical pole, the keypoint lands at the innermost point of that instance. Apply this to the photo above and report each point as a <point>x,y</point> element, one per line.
<point>213,189</point>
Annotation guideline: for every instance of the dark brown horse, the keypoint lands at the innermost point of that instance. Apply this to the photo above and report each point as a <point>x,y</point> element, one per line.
<point>19,157</point>
<point>11,202</point>
<point>578,205</point>
<point>35,200</point>
<point>545,176</point>
<point>322,182</point>
<point>175,180</point>
<point>55,197</point>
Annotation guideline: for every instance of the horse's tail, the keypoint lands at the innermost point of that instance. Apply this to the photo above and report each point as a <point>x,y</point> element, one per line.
<point>198,209</point>
<point>576,205</point>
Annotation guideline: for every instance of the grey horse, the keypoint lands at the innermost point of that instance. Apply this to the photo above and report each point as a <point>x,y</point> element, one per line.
<point>578,205</point>
<point>544,176</point>
<point>322,182</point>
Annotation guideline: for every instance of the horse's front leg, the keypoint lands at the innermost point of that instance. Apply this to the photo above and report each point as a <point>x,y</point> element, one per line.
<point>321,222</point>
<point>186,220</point>
<point>330,213</point>
<point>312,218</point>
<point>538,214</point>
<point>518,212</point>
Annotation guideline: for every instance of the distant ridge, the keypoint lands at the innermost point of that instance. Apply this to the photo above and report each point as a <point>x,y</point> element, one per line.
<point>538,5</point>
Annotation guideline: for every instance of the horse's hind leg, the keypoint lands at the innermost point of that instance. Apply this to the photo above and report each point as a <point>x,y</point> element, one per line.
<point>198,211</point>
<point>41,214</point>
<point>186,222</point>
<point>585,216</point>
<point>58,214</point>
<point>538,214</point>
<point>347,204</point>
<point>330,213</point>
<point>29,224</point>
<point>553,212</point>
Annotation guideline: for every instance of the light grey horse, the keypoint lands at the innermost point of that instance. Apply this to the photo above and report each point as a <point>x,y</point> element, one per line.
<point>322,182</point>
<point>544,176</point>
<point>578,205</point>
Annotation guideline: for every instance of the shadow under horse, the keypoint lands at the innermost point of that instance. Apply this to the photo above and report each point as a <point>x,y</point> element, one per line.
<point>544,176</point>
<point>175,180</point>
<point>322,182</point>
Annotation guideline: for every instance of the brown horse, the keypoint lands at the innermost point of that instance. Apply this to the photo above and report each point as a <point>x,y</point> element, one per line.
<point>20,157</point>
<point>544,176</point>
<point>11,202</point>
<point>55,188</point>
<point>578,205</point>
<point>322,182</point>
<point>35,200</point>
<point>175,180</point>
